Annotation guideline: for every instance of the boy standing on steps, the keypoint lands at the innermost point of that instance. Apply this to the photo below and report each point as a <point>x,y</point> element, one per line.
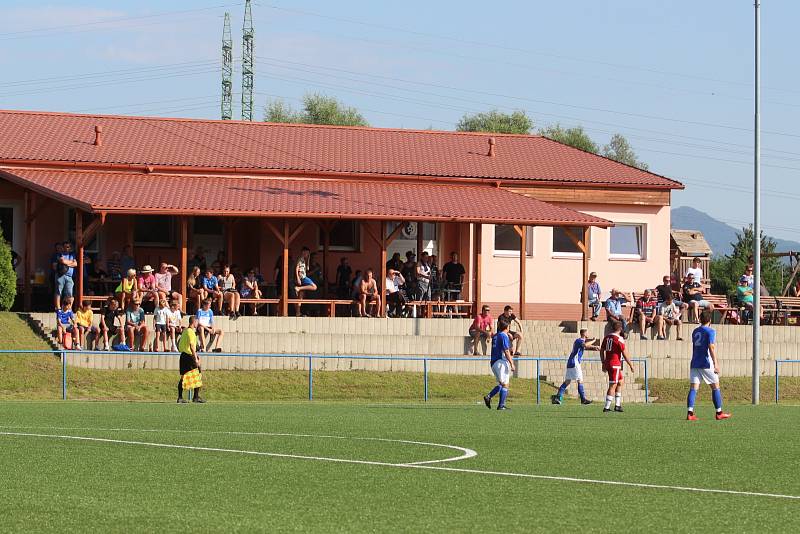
<point>502,366</point>
<point>704,366</point>
<point>574,371</point>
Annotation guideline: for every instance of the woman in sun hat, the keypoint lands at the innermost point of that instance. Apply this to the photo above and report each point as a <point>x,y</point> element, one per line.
<point>148,287</point>
<point>128,289</point>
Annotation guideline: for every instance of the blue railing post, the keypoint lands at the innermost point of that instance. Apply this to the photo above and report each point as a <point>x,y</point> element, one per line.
<point>310,377</point>
<point>538,386</point>
<point>646,385</point>
<point>425,377</point>
<point>777,382</point>
<point>63,375</point>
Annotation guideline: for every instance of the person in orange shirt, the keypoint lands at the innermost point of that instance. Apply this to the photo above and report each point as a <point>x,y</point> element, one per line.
<point>481,328</point>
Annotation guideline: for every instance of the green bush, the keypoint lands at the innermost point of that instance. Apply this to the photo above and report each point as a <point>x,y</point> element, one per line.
<point>8,278</point>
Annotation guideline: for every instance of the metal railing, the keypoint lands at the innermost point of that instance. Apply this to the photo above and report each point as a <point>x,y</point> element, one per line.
<point>62,354</point>
<point>778,374</point>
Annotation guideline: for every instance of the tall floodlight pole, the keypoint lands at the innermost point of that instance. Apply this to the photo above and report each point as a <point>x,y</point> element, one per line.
<point>227,70</point>
<point>757,213</point>
<point>247,64</point>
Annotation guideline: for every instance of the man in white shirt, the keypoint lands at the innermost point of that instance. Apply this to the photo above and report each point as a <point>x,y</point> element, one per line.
<point>695,270</point>
<point>394,297</point>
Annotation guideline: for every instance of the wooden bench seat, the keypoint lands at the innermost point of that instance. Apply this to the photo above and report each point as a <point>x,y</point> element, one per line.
<point>329,303</point>
<point>449,309</point>
<point>786,307</point>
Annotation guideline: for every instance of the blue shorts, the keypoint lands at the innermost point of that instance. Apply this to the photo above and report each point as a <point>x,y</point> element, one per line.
<point>306,281</point>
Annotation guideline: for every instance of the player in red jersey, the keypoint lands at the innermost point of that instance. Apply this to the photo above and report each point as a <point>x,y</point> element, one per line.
<point>612,352</point>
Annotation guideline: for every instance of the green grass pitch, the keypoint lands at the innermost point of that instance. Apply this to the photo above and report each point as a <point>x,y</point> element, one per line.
<point>117,483</point>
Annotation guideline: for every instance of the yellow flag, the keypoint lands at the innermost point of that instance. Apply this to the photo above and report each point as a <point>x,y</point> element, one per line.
<point>192,379</point>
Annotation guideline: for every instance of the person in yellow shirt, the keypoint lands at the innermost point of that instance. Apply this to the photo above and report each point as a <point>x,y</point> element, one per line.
<point>190,359</point>
<point>83,320</point>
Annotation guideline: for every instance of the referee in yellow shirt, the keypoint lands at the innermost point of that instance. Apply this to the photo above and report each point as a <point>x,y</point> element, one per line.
<point>190,360</point>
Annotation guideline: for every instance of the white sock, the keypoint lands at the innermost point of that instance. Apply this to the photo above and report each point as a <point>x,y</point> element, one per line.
<point>609,400</point>
<point>618,400</point>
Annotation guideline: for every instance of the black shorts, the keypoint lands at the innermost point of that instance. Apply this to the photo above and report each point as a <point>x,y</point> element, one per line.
<point>187,363</point>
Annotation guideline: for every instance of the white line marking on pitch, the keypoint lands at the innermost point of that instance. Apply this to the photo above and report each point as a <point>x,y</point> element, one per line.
<point>411,465</point>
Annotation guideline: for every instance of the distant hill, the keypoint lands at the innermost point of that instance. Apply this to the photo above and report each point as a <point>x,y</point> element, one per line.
<point>718,234</point>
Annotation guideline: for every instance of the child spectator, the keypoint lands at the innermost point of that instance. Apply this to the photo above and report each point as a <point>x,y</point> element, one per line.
<point>164,282</point>
<point>211,287</point>
<point>83,321</point>
<point>249,288</point>
<point>65,321</point>
<point>481,329</point>
<point>147,285</point>
<point>135,324</point>
<point>174,327</point>
<point>194,287</point>
<point>227,283</point>
<point>128,289</point>
<point>108,323</point>
<point>205,326</point>
<point>671,314</point>
<point>160,319</point>
<point>304,283</point>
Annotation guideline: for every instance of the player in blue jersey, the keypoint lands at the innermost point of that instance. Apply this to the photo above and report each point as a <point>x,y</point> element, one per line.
<point>574,371</point>
<point>502,365</point>
<point>704,367</point>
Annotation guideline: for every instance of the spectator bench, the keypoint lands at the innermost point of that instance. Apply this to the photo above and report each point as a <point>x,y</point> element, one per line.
<point>449,309</point>
<point>786,307</point>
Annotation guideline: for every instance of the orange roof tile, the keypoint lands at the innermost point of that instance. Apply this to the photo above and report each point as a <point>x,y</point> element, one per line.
<point>68,138</point>
<point>154,193</point>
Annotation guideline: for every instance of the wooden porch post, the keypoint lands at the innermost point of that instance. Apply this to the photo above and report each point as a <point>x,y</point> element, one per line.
<point>383,269</point>
<point>476,269</point>
<point>27,268</point>
<point>585,257</point>
<point>523,253</point>
<point>229,240</point>
<point>80,246</point>
<point>129,234</point>
<point>285,280</point>
<point>184,224</point>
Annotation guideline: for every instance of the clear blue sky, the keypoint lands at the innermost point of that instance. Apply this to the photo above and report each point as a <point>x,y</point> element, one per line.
<point>674,77</point>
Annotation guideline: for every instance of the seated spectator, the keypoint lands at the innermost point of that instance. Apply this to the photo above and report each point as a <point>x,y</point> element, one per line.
<point>108,323</point>
<point>671,316</point>
<point>509,318</point>
<point>114,266</point>
<point>395,299</point>
<point>174,327</point>
<point>693,297</point>
<point>194,287</point>
<point>645,313</point>
<point>160,320</point>
<point>593,289</point>
<point>128,289</point>
<point>65,322</point>
<point>199,260</point>
<point>304,283</point>
<point>355,286</point>
<point>127,262</point>
<point>614,310</point>
<point>64,267</point>
<point>796,288</point>
<point>343,274</point>
<point>249,288</point>
<point>481,328</point>
<point>665,290</point>
<point>453,273</point>
<point>205,327</point>
<point>369,295</point>
<point>83,321</point>
<point>424,278</point>
<point>148,291</point>
<point>744,294</point>
<point>315,270</point>
<point>135,324</point>
<point>164,283</point>
<point>230,296</point>
<point>220,262</point>
<point>696,271</point>
<point>409,272</point>
<point>394,263</point>
<point>211,287</point>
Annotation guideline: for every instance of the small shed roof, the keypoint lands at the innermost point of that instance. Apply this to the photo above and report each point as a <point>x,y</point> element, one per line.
<point>689,242</point>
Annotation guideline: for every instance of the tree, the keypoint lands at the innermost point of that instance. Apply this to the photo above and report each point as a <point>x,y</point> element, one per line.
<point>574,137</point>
<point>496,121</point>
<point>726,271</point>
<point>619,149</point>
<point>8,278</point>
<point>317,109</point>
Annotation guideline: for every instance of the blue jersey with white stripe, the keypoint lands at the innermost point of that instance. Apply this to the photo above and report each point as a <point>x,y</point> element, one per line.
<point>500,344</point>
<point>702,338</point>
<point>576,356</point>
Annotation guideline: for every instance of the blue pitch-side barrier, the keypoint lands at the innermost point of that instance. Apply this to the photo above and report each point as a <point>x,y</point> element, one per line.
<point>778,374</point>
<point>311,357</point>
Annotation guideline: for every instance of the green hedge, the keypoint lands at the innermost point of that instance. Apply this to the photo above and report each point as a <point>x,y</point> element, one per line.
<point>8,278</point>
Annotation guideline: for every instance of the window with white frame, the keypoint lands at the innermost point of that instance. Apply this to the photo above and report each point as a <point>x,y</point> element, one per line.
<point>506,240</point>
<point>628,241</point>
<point>564,238</point>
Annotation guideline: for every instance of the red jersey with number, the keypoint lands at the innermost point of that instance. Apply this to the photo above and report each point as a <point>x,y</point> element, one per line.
<point>613,346</point>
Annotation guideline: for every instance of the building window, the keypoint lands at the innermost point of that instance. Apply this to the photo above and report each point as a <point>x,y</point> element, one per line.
<point>154,231</point>
<point>506,240</point>
<point>563,244</point>
<point>628,241</point>
<point>345,236</point>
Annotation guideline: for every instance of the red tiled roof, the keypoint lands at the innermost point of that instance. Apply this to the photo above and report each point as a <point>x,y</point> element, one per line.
<point>62,137</point>
<point>133,192</point>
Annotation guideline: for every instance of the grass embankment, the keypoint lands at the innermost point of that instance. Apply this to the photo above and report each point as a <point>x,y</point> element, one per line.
<point>38,377</point>
<point>734,389</point>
